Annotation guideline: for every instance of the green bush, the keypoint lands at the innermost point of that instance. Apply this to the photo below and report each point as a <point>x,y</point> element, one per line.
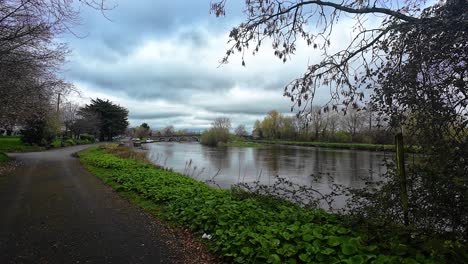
<point>245,229</point>
<point>341,137</point>
<point>88,137</point>
<point>214,136</point>
<point>56,143</point>
<point>70,142</point>
<point>84,141</point>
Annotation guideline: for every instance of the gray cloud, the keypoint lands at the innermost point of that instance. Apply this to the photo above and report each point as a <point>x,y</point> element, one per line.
<point>160,60</point>
<point>156,115</point>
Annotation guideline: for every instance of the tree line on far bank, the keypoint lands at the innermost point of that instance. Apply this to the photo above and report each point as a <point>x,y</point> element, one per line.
<point>354,126</point>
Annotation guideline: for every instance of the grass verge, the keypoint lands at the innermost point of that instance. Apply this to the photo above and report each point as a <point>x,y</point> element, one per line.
<point>241,144</point>
<point>243,228</point>
<point>3,158</point>
<point>13,143</point>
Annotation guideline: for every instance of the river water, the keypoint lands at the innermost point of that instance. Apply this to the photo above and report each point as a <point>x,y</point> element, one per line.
<point>300,165</point>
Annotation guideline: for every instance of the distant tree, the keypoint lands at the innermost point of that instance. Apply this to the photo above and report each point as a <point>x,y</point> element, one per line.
<point>222,123</point>
<point>288,129</point>
<point>145,126</point>
<point>87,122</point>
<point>69,115</point>
<point>142,131</point>
<point>317,121</point>
<point>240,130</point>
<point>113,119</point>
<point>168,131</point>
<point>353,121</point>
<point>271,125</point>
<point>219,132</point>
<point>257,130</point>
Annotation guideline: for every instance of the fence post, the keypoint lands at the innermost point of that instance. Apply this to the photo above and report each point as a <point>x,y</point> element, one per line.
<point>400,161</point>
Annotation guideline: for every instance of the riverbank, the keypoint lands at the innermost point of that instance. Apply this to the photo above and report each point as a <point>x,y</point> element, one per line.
<point>353,146</point>
<point>243,228</point>
<point>241,144</point>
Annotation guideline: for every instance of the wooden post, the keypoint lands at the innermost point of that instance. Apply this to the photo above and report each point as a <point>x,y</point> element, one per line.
<point>58,103</point>
<point>400,162</point>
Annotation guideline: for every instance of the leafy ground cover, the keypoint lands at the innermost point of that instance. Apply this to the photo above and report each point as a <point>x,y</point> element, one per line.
<point>13,143</point>
<point>245,228</point>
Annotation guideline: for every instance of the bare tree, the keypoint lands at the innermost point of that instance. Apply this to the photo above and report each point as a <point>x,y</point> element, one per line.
<point>30,54</point>
<point>69,114</point>
<point>168,131</point>
<point>240,130</point>
<point>221,123</point>
<point>373,55</point>
<point>353,121</point>
<point>317,121</point>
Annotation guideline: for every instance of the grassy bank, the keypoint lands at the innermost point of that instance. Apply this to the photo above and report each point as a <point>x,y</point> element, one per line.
<point>244,228</point>
<point>241,144</point>
<point>357,146</point>
<point>3,158</point>
<point>13,143</point>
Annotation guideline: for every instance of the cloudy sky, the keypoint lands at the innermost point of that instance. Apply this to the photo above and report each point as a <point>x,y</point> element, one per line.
<point>160,59</point>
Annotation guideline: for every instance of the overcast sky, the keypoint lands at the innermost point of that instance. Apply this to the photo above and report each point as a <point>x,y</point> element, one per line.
<point>160,59</point>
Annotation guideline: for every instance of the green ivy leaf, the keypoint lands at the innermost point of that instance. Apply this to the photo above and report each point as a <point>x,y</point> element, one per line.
<point>308,237</point>
<point>327,251</point>
<point>304,257</point>
<point>274,258</point>
<point>246,250</point>
<point>348,248</point>
<point>334,241</point>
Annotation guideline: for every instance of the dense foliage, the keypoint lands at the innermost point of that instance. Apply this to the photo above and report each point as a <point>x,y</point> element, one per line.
<point>248,229</point>
<point>110,119</point>
<point>40,129</point>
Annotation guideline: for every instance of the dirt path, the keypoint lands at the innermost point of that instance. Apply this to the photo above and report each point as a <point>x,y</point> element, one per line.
<point>52,210</point>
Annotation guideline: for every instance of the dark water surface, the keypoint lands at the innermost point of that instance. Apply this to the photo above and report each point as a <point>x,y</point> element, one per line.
<point>231,165</point>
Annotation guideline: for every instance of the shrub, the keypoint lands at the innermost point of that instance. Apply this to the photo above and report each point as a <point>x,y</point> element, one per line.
<point>36,132</point>
<point>342,137</point>
<point>70,142</point>
<point>84,141</point>
<point>214,136</point>
<point>88,137</point>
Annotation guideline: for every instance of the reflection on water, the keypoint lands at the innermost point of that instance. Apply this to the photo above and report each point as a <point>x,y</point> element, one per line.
<point>298,164</point>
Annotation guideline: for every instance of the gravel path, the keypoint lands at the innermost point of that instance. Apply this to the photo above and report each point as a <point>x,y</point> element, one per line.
<point>52,210</point>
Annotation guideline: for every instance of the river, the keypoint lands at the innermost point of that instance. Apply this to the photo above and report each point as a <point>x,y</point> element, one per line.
<point>308,166</point>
